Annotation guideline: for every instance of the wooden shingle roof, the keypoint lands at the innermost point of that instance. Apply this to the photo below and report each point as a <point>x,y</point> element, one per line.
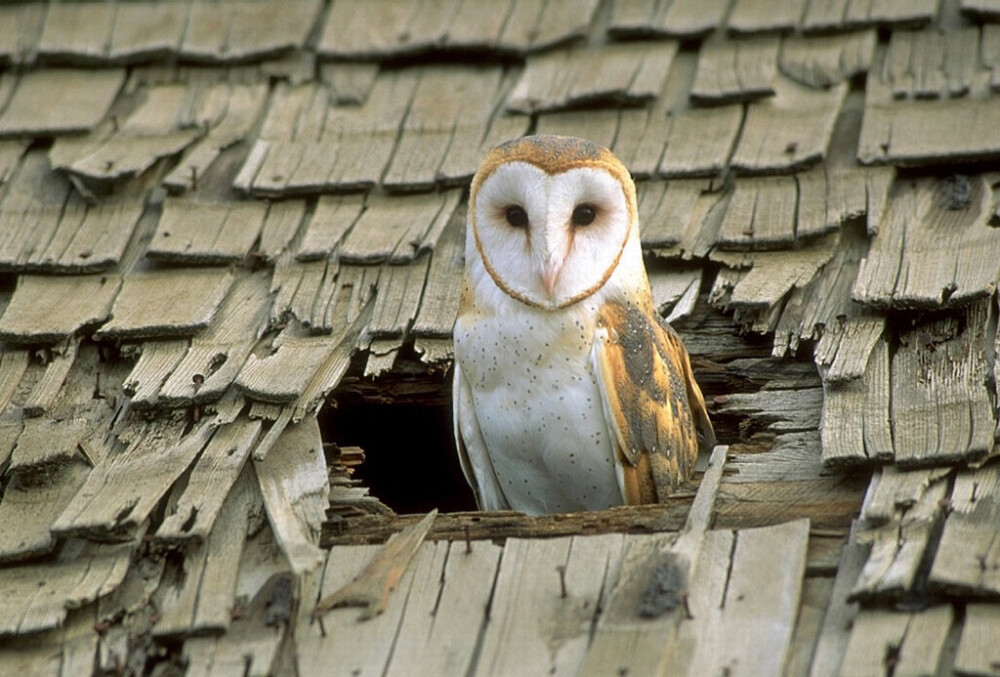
<point>216,217</point>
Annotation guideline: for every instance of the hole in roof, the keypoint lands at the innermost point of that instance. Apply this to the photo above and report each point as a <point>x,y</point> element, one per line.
<point>410,463</point>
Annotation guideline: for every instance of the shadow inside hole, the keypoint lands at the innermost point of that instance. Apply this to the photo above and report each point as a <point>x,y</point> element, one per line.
<point>410,460</point>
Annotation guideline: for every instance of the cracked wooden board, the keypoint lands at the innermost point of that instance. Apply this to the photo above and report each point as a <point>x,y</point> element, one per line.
<point>933,247</point>
<point>762,16</point>
<point>941,405</point>
<point>840,15</point>
<point>736,70</point>
<point>47,308</point>
<point>911,642</point>
<point>196,233</point>
<point>967,561</point>
<point>822,61</point>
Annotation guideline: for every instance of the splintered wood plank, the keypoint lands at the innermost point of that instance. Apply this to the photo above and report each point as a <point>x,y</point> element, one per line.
<point>816,597</point>
<point>398,299</point>
<point>978,650</point>
<point>736,70</point>
<point>442,290</point>
<point>934,246</point>
<point>453,589</point>
<point>529,610</point>
<point>215,356</point>
<point>332,219</point>
<point>194,514</point>
<point>154,365</point>
<point>900,643</point>
<point>835,632</point>
<point>756,16</point>
<point>339,644</point>
<point>647,590</point>
<point>679,18</point>
<point>67,650</point>
<point>835,15</point>
<point>791,130</point>
<point>967,561</point>
<point>722,636</point>
<point>162,303</point>
<point>293,482</point>
<point>45,392</point>
<point>941,404</point>
<point>281,375</point>
<point>665,209</point>
<point>203,601</point>
<point>932,64</point>
<point>48,308</point>
<point>699,141</point>
<point>124,488</point>
<point>58,101</point>
<point>773,274</point>
<point>32,503</point>
<point>761,214</point>
<point>898,547</point>
<point>393,228</point>
<point>823,61</point>
<point>77,32</point>
<point>893,490</point>
<point>242,107</point>
<point>351,32</point>
<point>621,74</point>
<point>856,426</point>
<point>266,592</point>
<point>203,233</point>
<point>39,597</point>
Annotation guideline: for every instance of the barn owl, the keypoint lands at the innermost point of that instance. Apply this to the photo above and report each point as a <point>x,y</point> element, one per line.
<point>570,392</point>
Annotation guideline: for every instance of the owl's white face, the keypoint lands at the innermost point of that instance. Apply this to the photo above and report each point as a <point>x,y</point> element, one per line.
<point>550,240</point>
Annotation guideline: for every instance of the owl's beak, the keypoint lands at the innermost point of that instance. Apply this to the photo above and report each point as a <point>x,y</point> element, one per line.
<point>551,276</point>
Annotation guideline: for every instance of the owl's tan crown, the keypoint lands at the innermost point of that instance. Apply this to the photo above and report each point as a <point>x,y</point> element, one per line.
<point>553,154</point>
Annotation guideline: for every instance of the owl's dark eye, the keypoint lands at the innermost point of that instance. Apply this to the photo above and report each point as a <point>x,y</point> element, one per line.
<point>516,216</point>
<point>584,214</point>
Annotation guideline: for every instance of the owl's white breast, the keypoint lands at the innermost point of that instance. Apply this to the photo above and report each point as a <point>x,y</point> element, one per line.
<point>537,401</point>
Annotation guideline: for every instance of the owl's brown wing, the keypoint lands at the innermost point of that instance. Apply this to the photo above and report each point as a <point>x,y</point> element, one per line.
<point>652,404</point>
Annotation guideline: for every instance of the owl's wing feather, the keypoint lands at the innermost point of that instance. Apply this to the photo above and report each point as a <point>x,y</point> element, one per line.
<point>651,402</point>
<point>472,453</point>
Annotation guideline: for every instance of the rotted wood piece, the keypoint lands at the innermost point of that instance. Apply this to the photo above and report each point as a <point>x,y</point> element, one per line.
<point>372,587</point>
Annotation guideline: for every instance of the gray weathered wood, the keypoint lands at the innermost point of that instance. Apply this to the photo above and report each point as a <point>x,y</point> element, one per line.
<point>193,515</point>
<point>453,590</point>
<point>164,303</point>
<point>822,61</point>
<point>151,370</point>
<point>978,650</point>
<point>146,31</point>
<point>39,597</point>
<point>761,214</point>
<point>216,356</point>
<point>895,490</point>
<point>773,274</point>
<point>332,219</point>
<point>912,642</point>
<point>930,250</point>
<point>836,15</point>
<point>941,406</point>
<point>46,308</point>
<point>623,73</point>
<point>736,70</point>
<point>835,632</point>
<point>529,610</point>
<point>600,125</point>
<point>898,547</point>
<point>293,482</point>
<point>204,599</point>
<point>77,32</point>
<point>280,376</point>
<point>967,561</point>
<point>57,101</point>
<point>393,228</point>
<point>442,290</point>
<point>791,130</point>
<point>398,298</point>
<point>756,16</point>
<point>124,488</point>
<point>204,233</point>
